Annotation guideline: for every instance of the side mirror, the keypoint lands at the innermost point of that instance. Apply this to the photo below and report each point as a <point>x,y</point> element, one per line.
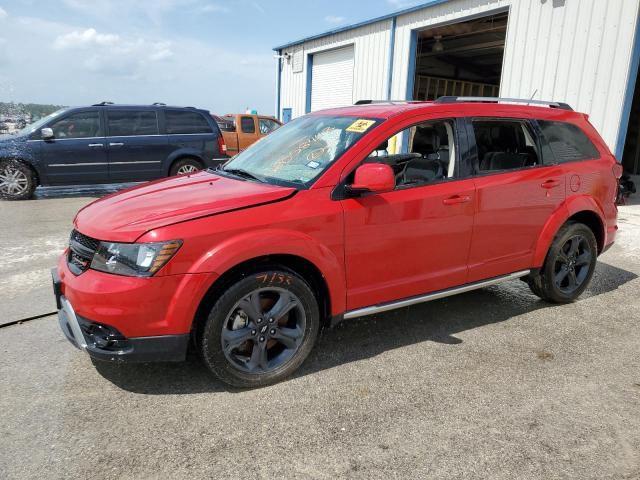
<point>374,178</point>
<point>46,133</point>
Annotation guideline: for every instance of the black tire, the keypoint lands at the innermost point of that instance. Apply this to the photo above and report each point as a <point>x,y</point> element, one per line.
<point>185,166</point>
<point>17,180</point>
<point>229,350</point>
<point>569,265</point>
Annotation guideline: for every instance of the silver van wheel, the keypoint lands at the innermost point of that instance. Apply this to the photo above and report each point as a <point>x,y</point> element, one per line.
<point>13,181</point>
<point>185,169</point>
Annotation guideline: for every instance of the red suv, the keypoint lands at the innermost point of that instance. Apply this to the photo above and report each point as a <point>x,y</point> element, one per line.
<point>338,214</point>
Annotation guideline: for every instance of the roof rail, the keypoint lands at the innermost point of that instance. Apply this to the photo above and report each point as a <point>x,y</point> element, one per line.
<point>102,104</point>
<point>451,99</point>
<point>159,104</point>
<point>371,102</point>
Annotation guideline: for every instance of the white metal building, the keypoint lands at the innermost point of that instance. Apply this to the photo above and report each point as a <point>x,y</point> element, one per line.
<point>582,52</point>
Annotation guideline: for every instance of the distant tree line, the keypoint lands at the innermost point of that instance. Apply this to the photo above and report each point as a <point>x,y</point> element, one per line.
<point>36,110</point>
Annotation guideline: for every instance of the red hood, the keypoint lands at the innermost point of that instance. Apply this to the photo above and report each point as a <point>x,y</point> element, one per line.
<point>126,215</point>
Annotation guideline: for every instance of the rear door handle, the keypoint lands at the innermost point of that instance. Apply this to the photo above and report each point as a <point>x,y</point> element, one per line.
<point>96,145</point>
<point>116,144</point>
<point>456,199</point>
<point>551,183</point>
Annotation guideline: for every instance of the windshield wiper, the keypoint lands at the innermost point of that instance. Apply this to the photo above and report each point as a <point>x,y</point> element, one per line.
<point>239,172</point>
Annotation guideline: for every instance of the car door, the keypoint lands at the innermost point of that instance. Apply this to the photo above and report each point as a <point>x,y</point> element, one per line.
<point>414,239</point>
<point>77,153</point>
<point>246,131</point>
<point>135,146</point>
<point>516,194</point>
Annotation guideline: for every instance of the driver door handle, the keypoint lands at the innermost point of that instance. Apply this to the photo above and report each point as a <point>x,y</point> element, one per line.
<point>456,199</point>
<point>96,145</point>
<point>551,183</point>
<point>116,144</point>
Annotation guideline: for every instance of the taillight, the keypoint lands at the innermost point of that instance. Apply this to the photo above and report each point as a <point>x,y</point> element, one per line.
<point>617,170</point>
<point>222,147</point>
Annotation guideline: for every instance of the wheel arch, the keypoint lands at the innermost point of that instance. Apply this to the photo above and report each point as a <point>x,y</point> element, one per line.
<point>181,155</point>
<point>581,209</point>
<point>27,163</point>
<point>295,263</point>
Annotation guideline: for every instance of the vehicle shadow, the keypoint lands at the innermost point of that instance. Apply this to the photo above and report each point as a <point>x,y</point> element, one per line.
<point>353,340</point>
<point>78,191</point>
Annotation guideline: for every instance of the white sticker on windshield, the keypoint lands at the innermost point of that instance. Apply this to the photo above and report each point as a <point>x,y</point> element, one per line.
<point>313,164</point>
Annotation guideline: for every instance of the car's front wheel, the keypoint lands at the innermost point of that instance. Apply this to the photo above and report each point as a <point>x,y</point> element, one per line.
<point>569,265</point>
<point>17,181</point>
<point>261,329</point>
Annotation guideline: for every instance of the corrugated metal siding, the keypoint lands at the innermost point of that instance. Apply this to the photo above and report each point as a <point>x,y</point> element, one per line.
<point>371,50</point>
<point>576,51</point>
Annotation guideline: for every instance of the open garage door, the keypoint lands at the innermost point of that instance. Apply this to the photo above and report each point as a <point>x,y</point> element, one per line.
<point>462,59</point>
<point>332,79</point>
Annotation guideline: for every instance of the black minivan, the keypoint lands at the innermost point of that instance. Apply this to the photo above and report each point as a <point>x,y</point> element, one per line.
<point>107,143</point>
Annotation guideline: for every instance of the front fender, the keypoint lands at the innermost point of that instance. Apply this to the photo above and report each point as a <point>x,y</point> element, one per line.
<point>250,245</point>
<point>569,208</point>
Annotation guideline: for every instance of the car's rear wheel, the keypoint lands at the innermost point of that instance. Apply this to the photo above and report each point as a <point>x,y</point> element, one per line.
<point>569,265</point>
<point>261,329</point>
<point>185,166</point>
<point>17,180</point>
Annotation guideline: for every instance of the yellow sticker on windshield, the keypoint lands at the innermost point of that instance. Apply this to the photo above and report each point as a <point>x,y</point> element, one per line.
<point>360,125</point>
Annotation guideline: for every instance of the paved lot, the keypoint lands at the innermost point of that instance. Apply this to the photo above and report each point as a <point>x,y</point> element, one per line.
<point>491,384</point>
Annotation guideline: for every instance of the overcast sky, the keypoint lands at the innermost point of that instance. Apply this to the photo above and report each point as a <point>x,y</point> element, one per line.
<point>210,54</point>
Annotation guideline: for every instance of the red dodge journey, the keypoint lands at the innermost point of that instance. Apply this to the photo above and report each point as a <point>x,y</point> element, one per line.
<point>339,214</point>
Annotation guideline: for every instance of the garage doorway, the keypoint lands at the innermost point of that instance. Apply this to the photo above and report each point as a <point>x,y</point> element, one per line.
<point>331,78</point>
<point>461,59</point>
<point>631,152</point>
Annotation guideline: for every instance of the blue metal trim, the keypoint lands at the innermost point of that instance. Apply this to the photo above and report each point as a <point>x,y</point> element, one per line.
<point>278,86</point>
<point>392,46</point>
<point>628,96</point>
<point>430,3</point>
<point>411,74</point>
<point>307,106</point>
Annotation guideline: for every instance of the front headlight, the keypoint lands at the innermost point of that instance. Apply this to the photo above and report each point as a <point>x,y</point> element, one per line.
<point>133,259</point>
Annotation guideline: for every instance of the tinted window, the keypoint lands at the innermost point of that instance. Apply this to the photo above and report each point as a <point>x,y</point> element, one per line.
<point>132,122</point>
<point>567,142</point>
<point>185,122</point>
<point>78,125</point>
<point>505,145</point>
<point>267,125</point>
<point>247,124</point>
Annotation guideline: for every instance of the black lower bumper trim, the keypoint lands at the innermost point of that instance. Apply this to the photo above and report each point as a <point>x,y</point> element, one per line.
<point>164,348</point>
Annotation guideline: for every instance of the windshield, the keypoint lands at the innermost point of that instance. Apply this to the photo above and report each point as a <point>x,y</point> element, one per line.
<point>299,152</point>
<point>32,127</point>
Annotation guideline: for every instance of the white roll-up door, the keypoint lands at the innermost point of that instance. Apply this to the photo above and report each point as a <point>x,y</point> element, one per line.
<point>332,79</point>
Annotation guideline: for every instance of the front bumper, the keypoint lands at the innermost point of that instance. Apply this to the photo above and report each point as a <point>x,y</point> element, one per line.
<point>104,342</point>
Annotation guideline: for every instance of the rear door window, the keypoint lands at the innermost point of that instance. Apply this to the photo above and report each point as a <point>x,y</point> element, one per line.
<point>185,122</point>
<point>567,142</point>
<point>247,125</point>
<point>504,145</point>
<point>127,123</point>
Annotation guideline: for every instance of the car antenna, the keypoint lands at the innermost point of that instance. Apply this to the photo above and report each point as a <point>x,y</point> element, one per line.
<point>534,94</point>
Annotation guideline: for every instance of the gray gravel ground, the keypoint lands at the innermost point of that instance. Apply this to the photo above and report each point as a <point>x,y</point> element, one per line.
<point>490,384</point>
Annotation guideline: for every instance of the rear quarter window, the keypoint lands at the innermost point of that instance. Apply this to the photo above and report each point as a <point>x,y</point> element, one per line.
<point>567,143</point>
<point>185,122</point>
